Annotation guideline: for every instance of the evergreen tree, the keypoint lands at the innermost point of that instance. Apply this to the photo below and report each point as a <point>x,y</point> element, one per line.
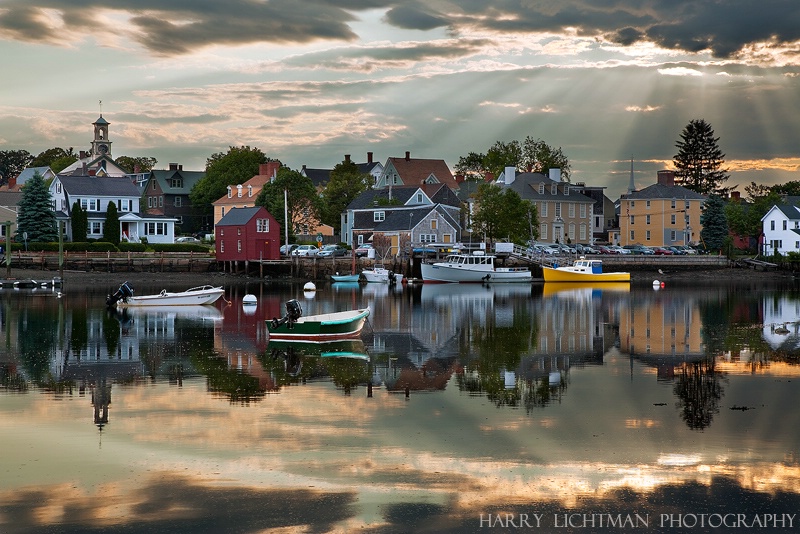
<point>36,216</point>
<point>111,231</point>
<point>80,223</point>
<point>715,224</point>
<point>699,159</point>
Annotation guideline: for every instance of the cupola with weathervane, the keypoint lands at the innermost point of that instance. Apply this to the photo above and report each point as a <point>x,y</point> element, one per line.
<point>101,146</point>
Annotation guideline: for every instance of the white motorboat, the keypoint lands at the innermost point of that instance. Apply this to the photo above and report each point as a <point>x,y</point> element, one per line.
<point>200,295</point>
<point>475,267</point>
<point>377,274</point>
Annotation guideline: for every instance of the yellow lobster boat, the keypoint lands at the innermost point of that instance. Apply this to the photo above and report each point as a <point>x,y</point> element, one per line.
<point>583,270</point>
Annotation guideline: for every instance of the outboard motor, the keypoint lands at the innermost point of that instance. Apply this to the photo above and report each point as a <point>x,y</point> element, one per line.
<point>293,312</point>
<point>122,294</point>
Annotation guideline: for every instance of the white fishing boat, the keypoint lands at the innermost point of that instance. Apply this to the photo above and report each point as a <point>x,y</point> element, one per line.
<point>377,274</point>
<point>124,297</point>
<point>475,267</point>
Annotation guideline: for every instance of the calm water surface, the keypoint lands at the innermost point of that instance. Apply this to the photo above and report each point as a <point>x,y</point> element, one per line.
<point>466,408</point>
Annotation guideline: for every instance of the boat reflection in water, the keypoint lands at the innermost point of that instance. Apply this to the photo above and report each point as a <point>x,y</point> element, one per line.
<point>458,400</point>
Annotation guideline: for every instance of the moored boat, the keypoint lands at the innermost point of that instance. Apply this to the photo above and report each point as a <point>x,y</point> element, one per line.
<point>316,328</point>
<point>201,295</point>
<point>345,277</point>
<point>475,267</point>
<point>377,274</point>
<point>583,270</point>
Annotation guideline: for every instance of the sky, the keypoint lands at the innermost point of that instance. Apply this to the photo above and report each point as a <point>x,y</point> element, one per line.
<point>610,82</point>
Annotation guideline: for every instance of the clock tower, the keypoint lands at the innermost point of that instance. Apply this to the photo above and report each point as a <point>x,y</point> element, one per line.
<point>101,146</point>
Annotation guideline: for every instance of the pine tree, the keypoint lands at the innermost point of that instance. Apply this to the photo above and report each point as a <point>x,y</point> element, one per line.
<point>36,216</point>
<point>699,159</point>
<point>111,231</point>
<point>715,224</point>
<point>80,223</point>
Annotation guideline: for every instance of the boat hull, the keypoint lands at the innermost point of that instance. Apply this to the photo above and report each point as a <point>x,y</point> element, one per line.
<point>376,275</point>
<point>558,275</point>
<point>320,328</point>
<point>191,297</point>
<point>347,348</point>
<point>345,277</point>
<point>457,274</point>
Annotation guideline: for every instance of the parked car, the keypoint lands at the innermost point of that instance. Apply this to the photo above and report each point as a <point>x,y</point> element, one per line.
<point>288,249</point>
<point>620,250</point>
<point>363,250</point>
<point>602,249</point>
<point>585,249</point>
<point>332,250</point>
<point>305,250</point>
<point>639,249</point>
<point>541,249</point>
<point>677,251</point>
<point>188,239</point>
<point>661,251</point>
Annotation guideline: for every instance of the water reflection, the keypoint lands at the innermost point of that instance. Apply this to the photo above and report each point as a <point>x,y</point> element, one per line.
<point>458,400</point>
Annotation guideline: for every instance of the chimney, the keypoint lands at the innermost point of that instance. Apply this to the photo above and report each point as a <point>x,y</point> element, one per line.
<point>735,195</point>
<point>489,177</point>
<point>509,175</point>
<point>83,154</point>
<point>369,157</point>
<point>666,178</point>
<point>408,155</point>
<point>459,178</point>
<point>12,183</point>
<point>347,158</point>
<point>555,175</point>
<point>173,166</point>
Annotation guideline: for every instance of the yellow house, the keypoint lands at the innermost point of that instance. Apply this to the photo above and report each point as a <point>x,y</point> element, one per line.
<point>663,214</point>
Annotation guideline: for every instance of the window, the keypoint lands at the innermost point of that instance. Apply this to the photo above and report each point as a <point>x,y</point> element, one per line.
<point>632,203</point>
<point>543,230</point>
<point>544,208</point>
<point>784,224</point>
<point>223,211</point>
<point>239,230</point>
<point>582,237</point>
<point>583,211</point>
<point>672,219</point>
<point>58,187</point>
<point>178,202</point>
<point>632,236</point>
<point>419,198</point>
<point>378,216</point>
<point>673,236</point>
<point>686,205</point>
<point>262,225</point>
<point>239,191</point>
<point>221,232</point>
<point>434,224</point>
<point>154,228</point>
<point>647,235</point>
<point>647,219</point>
<point>149,202</point>
<point>221,245</point>
<point>90,204</point>
<point>360,239</point>
<point>176,183</point>
<point>647,204</point>
<point>554,189</point>
<point>558,209</point>
<point>154,185</point>
<point>427,238</point>
<point>673,204</point>
<point>631,219</point>
<point>566,190</point>
<point>249,190</point>
<point>571,210</point>
<point>96,228</point>
<point>238,245</point>
<point>124,204</point>
<point>772,225</point>
<point>161,201</point>
<point>230,192</point>
<point>541,188</point>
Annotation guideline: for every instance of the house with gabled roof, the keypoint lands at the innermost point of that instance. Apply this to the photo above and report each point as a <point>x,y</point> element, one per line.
<point>166,193</point>
<point>405,211</point>
<point>245,195</point>
<point>15,184</point>
<point>94,194</point>
<point>781,227</point>
<point>662,214</point>
<point>409,171</point>
<point>565,215</point>
<point>247,234</point>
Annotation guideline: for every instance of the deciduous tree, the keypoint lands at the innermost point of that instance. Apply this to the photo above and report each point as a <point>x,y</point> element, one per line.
<point>345,184</point>
<point>132,163</point>
<point>13,162</point>
<point>302,201</point>
<point>236,166</point>
<point>503,214</point>
<point>35,215</point>
<point>699,159</point>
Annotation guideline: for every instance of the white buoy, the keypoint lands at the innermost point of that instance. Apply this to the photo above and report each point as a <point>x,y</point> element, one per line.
<point>249,300</point>
<point>309,287</point>
<point>656,285</point>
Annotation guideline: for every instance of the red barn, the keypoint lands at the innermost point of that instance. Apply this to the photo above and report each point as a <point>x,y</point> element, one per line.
<point>248,234</point>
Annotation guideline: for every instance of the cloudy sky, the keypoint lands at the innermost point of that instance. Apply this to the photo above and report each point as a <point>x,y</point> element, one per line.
<point>310,81</point>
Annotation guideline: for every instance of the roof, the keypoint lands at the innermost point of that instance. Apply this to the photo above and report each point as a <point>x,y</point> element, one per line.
<point>99,186</point>
<point>10,198</point>
<point>414,171</point>
<point>367,168</point>
<point>660,191</point>
<point>190,178</point>
<point>240,216</point>
<point>257,182</point>
<point>406,219</point>
<point>368,198</point>
<point>28,173</point>
<point>526,184</point>
<point>101,120</point>
<point>318,177</point>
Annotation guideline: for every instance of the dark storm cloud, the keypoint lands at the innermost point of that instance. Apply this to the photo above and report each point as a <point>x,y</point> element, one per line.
<point>174,27</point>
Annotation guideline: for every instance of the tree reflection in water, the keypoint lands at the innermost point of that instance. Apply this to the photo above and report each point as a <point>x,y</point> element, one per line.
<point>699,391</point>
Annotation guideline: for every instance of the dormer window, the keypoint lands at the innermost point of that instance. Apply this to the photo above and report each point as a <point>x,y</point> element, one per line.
<point>249,190</point>
<point>566,190</point>
<point>379,216</point>
<point>239,191</point>
<point>541,188</point>
<point>230,192</point>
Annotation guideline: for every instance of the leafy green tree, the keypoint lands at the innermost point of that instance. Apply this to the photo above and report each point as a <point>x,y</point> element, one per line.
<point>236,166</point>
<point>744,219</point>
<point>715,225</point>
<point>699,159</point>
<point>131,163</point>
<point>502,155</point>
<point>13,162</point>
<point>111,232</point>
<point>791,189</point>
<point>80,223</point>
<point>302,201</point>
<point>503,214</point>
<point>36,215</point>
<point>538,156</point>
<point>471,166</point>
<point>345,184</point>
<point>56,158</point>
